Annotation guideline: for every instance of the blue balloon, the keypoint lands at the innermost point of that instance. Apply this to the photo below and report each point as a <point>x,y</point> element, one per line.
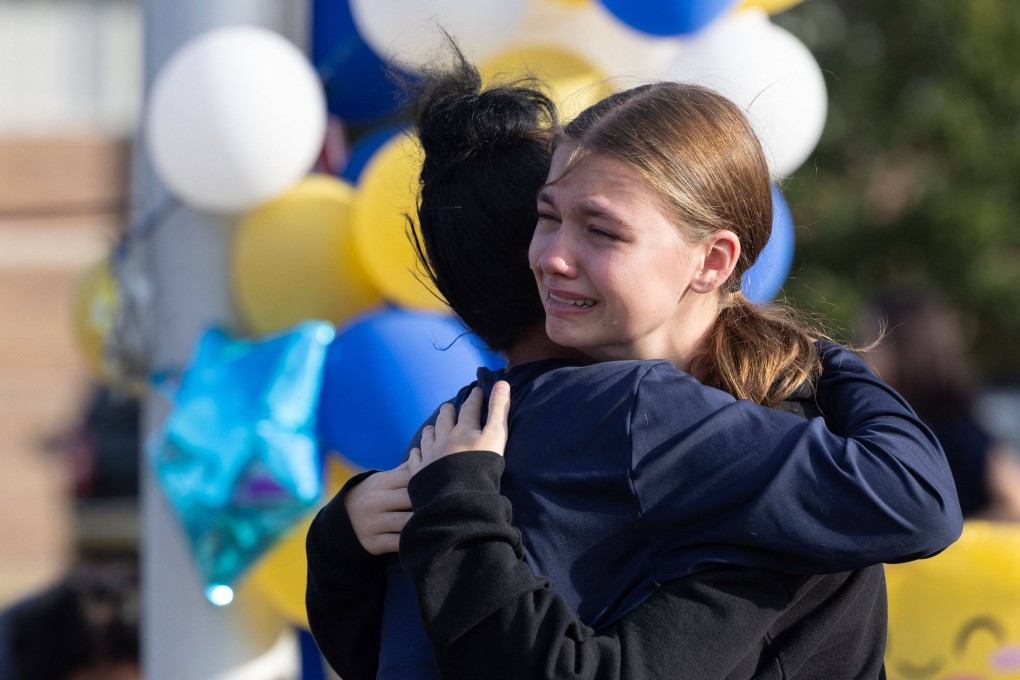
<point>357,86</point>
<point>364,149</point>
<point>668,17</point>
<point>766,276</point>
<point>385,373</point>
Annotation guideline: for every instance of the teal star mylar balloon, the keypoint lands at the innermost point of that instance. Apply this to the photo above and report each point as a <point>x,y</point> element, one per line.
<point>238,457</point>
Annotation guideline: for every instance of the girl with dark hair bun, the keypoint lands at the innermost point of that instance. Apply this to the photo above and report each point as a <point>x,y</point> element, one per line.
<point>701,533</point>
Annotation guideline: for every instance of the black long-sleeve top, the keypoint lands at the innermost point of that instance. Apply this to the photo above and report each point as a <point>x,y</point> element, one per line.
<point>489,616</point>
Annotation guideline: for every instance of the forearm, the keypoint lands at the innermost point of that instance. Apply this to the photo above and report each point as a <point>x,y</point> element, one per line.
<point>344,593</point>
<point>867,484</point>
<point>892,455</point>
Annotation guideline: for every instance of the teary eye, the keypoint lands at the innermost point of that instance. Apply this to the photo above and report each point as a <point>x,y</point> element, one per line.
<point>603,234</point>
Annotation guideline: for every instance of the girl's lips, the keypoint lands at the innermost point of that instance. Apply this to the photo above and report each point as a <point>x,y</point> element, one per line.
<point>561,302</point>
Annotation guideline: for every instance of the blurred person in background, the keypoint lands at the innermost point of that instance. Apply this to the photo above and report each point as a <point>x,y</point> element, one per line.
<point>921,352</point>
<point>84,626</point>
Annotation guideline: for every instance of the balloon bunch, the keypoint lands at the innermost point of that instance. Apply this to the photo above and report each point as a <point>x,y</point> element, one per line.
<point>237,121</point>
<point>578,45</point>
<point>305,155</point>
<point>238,118</point>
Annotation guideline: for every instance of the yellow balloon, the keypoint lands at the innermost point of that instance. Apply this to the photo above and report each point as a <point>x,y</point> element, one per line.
<point>574,83</point>
<point>293,259</point>
<point>387,193</point>
<point>94,305</point>
<point>280,575</point>
<point>575,3</point>
<point>770,6</point>
<point>957,615</point>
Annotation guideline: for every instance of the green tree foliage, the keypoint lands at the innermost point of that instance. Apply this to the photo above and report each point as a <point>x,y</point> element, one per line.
<point>916,180</point>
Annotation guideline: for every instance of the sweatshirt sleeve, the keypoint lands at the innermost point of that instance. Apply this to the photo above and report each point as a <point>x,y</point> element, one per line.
<point>732,482</point>
<point>489,616</point>
<point>345,591</point>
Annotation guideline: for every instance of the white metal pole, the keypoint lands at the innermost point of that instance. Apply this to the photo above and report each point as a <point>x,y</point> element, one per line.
<point>184,636</point>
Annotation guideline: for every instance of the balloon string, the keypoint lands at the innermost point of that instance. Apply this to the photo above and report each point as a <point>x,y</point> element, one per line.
<point>128,347</point>
<point>145,227</point>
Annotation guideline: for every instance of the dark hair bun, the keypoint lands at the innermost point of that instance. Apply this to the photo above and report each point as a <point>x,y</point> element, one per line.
<point>487,152</point>
<point>457,120</point>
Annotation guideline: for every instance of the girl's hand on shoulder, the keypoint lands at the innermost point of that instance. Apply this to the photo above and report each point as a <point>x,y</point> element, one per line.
<point>455,434</point>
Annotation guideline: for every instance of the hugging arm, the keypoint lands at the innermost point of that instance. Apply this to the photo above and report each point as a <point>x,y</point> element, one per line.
<point>487,613</point>
<point>894,458</point>
<point>867,484</point>
<point>489,616</point>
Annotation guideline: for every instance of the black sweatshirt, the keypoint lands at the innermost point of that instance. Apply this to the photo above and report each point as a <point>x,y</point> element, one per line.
<point>345,591</point>
<point>489,616</point>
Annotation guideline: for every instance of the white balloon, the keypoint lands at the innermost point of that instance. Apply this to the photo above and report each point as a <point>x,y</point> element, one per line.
<point>627,56</point>
<point>411,31</point>
<point>237,116</point>
<point>769,73</point>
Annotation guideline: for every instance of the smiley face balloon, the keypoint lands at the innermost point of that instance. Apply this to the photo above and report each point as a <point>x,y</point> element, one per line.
<point>956,616</point>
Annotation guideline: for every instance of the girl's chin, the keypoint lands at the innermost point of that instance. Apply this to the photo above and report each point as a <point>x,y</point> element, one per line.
<point>575,339</point>
<point>563,334</point>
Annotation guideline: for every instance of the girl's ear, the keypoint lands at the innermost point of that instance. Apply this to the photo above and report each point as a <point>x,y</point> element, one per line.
<point>720,254</point>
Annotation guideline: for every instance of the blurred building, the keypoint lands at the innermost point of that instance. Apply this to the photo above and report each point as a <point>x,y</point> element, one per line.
<point>70,95</point>
<point>69,66</point>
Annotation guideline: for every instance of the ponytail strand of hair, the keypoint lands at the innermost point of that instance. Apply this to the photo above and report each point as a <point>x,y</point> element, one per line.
<point>759,353</point>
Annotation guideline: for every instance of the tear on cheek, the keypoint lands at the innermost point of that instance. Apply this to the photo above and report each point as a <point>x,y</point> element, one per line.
<point>1007,659</point>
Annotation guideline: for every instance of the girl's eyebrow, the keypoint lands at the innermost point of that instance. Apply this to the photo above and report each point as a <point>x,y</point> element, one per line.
<point>599,211</point>
<point>586,208</point>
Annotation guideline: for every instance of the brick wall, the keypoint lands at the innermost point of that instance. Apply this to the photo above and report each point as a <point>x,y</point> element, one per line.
<point>43,176</point>
<point>59,211</point>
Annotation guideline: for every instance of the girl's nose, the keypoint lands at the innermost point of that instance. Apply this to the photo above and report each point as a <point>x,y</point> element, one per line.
<point>553,258</point>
